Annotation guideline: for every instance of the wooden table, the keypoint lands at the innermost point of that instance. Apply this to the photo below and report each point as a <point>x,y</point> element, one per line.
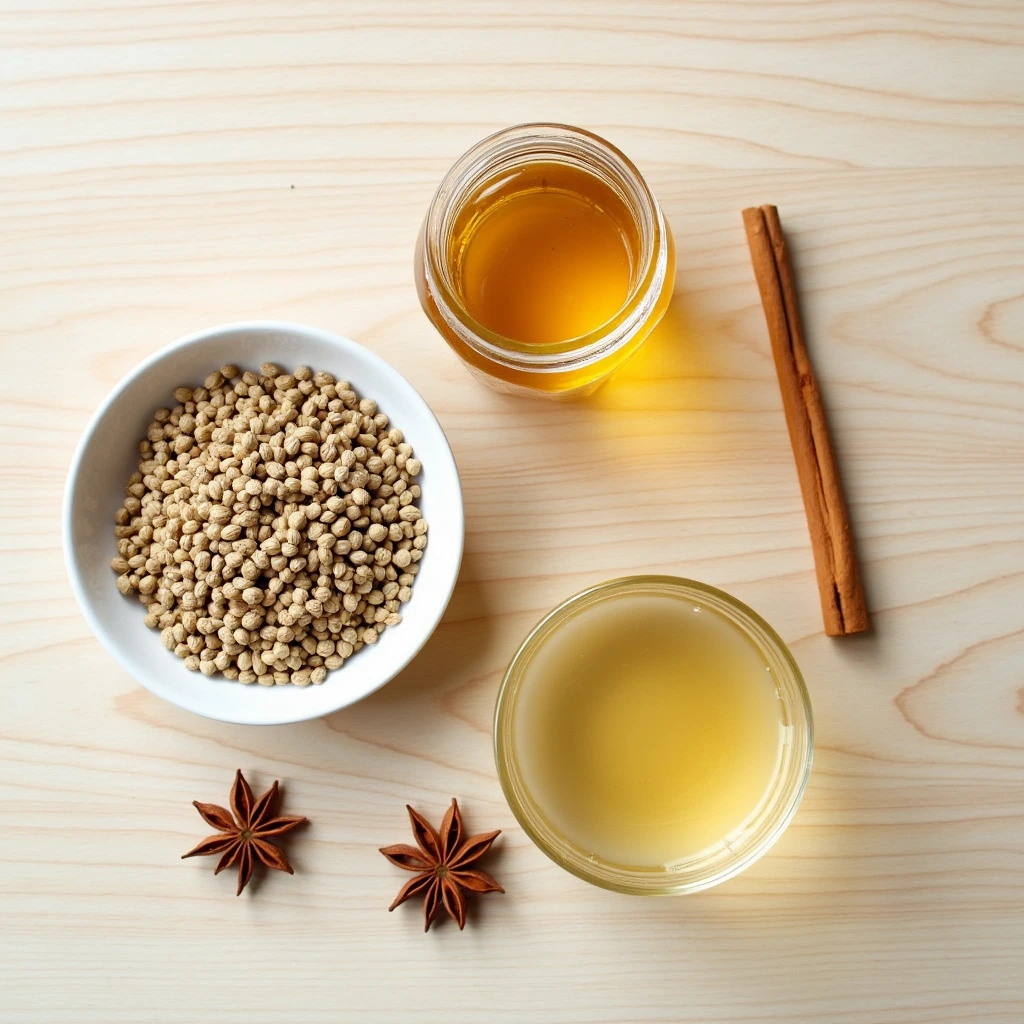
<point>170,166</point>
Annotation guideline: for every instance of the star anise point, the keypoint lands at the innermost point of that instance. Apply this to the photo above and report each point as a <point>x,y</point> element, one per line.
<point>243,833</point>
<point>443,865</point>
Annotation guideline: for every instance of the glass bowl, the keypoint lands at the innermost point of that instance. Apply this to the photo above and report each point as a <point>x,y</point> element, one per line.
<point>736,850</point>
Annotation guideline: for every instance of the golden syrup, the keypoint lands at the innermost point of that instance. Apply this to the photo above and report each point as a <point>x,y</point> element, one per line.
<point>544,260</point>
<point>545,256</point>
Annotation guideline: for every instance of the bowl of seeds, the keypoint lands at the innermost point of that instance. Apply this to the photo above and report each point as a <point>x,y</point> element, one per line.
<point>263,523</point>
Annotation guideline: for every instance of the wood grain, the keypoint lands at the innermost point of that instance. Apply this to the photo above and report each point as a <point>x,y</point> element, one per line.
<point>170,166</point>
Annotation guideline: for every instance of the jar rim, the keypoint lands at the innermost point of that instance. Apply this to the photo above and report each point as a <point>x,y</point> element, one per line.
<point>529,139</point>
<point>718,863</point>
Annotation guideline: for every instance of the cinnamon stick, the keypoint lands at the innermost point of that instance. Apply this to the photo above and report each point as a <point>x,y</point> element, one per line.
<point>843,605</point>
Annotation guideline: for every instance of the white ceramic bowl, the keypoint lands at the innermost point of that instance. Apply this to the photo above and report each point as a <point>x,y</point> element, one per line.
<point>107,455</point>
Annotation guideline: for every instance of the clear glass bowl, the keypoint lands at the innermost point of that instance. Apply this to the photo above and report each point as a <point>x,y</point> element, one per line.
<point>736,851</point>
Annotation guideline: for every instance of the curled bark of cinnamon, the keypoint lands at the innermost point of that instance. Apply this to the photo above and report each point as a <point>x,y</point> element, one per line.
<point>843,605</point>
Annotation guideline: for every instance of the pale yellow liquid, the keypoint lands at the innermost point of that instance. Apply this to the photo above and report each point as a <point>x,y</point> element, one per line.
<point>648,730</point>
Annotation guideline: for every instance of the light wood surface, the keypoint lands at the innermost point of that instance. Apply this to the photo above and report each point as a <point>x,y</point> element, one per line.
<point>168,166</point>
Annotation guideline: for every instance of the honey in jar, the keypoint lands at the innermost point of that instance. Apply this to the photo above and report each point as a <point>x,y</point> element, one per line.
<point>546,257</point>
<point>544,260</point>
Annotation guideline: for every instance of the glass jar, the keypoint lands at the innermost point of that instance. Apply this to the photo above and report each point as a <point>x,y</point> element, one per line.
<point>472,189</point>
<point>735,851</point>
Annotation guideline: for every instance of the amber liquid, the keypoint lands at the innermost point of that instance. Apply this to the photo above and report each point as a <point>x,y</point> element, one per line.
<point>648,730</point>
<point>545,255</point>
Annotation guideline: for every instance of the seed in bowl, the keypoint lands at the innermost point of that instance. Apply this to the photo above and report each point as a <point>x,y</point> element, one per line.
<point>272,527</point>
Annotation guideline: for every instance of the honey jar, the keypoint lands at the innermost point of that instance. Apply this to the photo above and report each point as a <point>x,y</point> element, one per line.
<point>544,260</point>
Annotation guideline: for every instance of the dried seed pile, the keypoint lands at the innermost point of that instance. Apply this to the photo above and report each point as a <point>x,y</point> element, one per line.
<point>272,527</point>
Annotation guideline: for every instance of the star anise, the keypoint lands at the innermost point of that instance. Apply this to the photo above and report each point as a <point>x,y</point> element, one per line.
<point>244,837</point>
<point>443,864</point>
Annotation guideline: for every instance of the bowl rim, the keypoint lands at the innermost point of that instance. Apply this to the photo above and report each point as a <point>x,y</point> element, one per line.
<point>774,816</point>
<point>71,481</point>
